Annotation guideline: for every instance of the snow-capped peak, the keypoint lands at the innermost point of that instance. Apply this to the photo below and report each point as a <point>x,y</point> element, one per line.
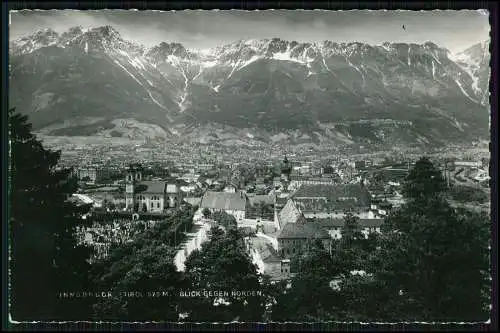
<point>28,44</point>
<point>472,60</point>
<point>104,38</point>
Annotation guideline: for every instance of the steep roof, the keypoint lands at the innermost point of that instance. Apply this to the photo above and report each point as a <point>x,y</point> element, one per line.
<point>267,199</point>
<point>224,200</point>
<point>338,195</point>
<point>151,187</point>
<point>303,231</point>
<point>290,214</point>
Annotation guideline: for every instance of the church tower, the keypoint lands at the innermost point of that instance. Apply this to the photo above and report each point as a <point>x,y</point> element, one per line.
<point>286,170</point>
<point>133,176</point>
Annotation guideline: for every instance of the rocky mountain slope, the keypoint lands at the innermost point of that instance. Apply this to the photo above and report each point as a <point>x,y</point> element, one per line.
<point>476,62</point>
<point>93,82</point>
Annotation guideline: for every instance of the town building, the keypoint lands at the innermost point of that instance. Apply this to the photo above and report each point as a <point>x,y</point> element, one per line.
<point>265,257</point>
<point>296,233</point>
<point>334,226</point>
<point>317,171</point>
<point>152,196</point>
<point>338,198</point>
<point>290,213</point>
<point>230,188</point>
<point>204,167</point>
<point>260,207</point>
<point>91,174</point>
<point>467,164</point>
<point>294,238</point>
<point>296,181</point>
<point>232,203</point>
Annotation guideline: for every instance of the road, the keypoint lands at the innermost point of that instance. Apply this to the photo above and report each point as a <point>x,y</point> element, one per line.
<point>194,240</point>
<point>461,179</point>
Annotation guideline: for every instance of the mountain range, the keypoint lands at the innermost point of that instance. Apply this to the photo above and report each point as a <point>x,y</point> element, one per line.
<point>94,82</point>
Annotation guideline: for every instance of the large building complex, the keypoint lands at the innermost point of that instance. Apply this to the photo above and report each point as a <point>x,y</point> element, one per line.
<point>153,196</point>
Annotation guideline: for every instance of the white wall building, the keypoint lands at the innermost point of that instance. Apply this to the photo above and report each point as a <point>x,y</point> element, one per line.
<point>231,203</point>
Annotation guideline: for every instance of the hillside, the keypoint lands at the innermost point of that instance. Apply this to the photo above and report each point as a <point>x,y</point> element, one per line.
<point>93,82</point>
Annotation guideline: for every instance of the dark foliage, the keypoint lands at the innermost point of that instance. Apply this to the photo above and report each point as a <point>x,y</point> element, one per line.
<point>45,258</point>
<point>222,264</point>
<point>144,265</point>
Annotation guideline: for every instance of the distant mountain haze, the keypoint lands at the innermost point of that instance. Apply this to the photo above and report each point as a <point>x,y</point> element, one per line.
<point>93,82</point>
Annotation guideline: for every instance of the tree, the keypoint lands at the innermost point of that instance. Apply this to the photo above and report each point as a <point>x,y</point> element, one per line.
<point>468,195</point>
<point>224,219</point>
<point>144,268</point>
<point>206,213</point>
<point>353,258</point>
<point>264,210</point>
<point>222,264</point>
<point>433,260</point>
<point>328,170</point>
<point>144,265</point>
<point>424,181</point>
<point>349,251</point>
<point>112,205</point>
<point>42,225</point>
<point>310,297</point>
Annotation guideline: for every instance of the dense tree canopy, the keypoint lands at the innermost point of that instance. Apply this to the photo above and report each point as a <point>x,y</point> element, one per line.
<point>353,251</point>
<point>424,181</point>
<point>225,220</point>
<point>146,265</point>
<point>433,262</point>
<point>45,258</point>
<point>310,297</point>
<point>437,258</point>
<point>145,269</point>
<point>468,194</point>
<point>222,264</point>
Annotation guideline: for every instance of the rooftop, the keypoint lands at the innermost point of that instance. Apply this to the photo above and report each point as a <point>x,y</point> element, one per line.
<point>304,231</point>
<point>151,186</point>
<point>224,200</point>
<point>267,199</point>
<point>290,214</point>
<point>341,196</point>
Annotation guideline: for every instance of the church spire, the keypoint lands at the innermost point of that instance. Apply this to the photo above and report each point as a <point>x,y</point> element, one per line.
<point>286,168</point>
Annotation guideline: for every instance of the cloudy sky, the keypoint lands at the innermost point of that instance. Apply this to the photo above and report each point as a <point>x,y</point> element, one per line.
<point>455,30</point>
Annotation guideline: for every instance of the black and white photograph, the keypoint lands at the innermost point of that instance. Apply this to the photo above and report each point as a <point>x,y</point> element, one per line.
<point>233,166</point>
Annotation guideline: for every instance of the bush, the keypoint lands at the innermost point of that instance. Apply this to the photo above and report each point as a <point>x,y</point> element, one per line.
<point>206,213</point>
<point>224,219</point>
